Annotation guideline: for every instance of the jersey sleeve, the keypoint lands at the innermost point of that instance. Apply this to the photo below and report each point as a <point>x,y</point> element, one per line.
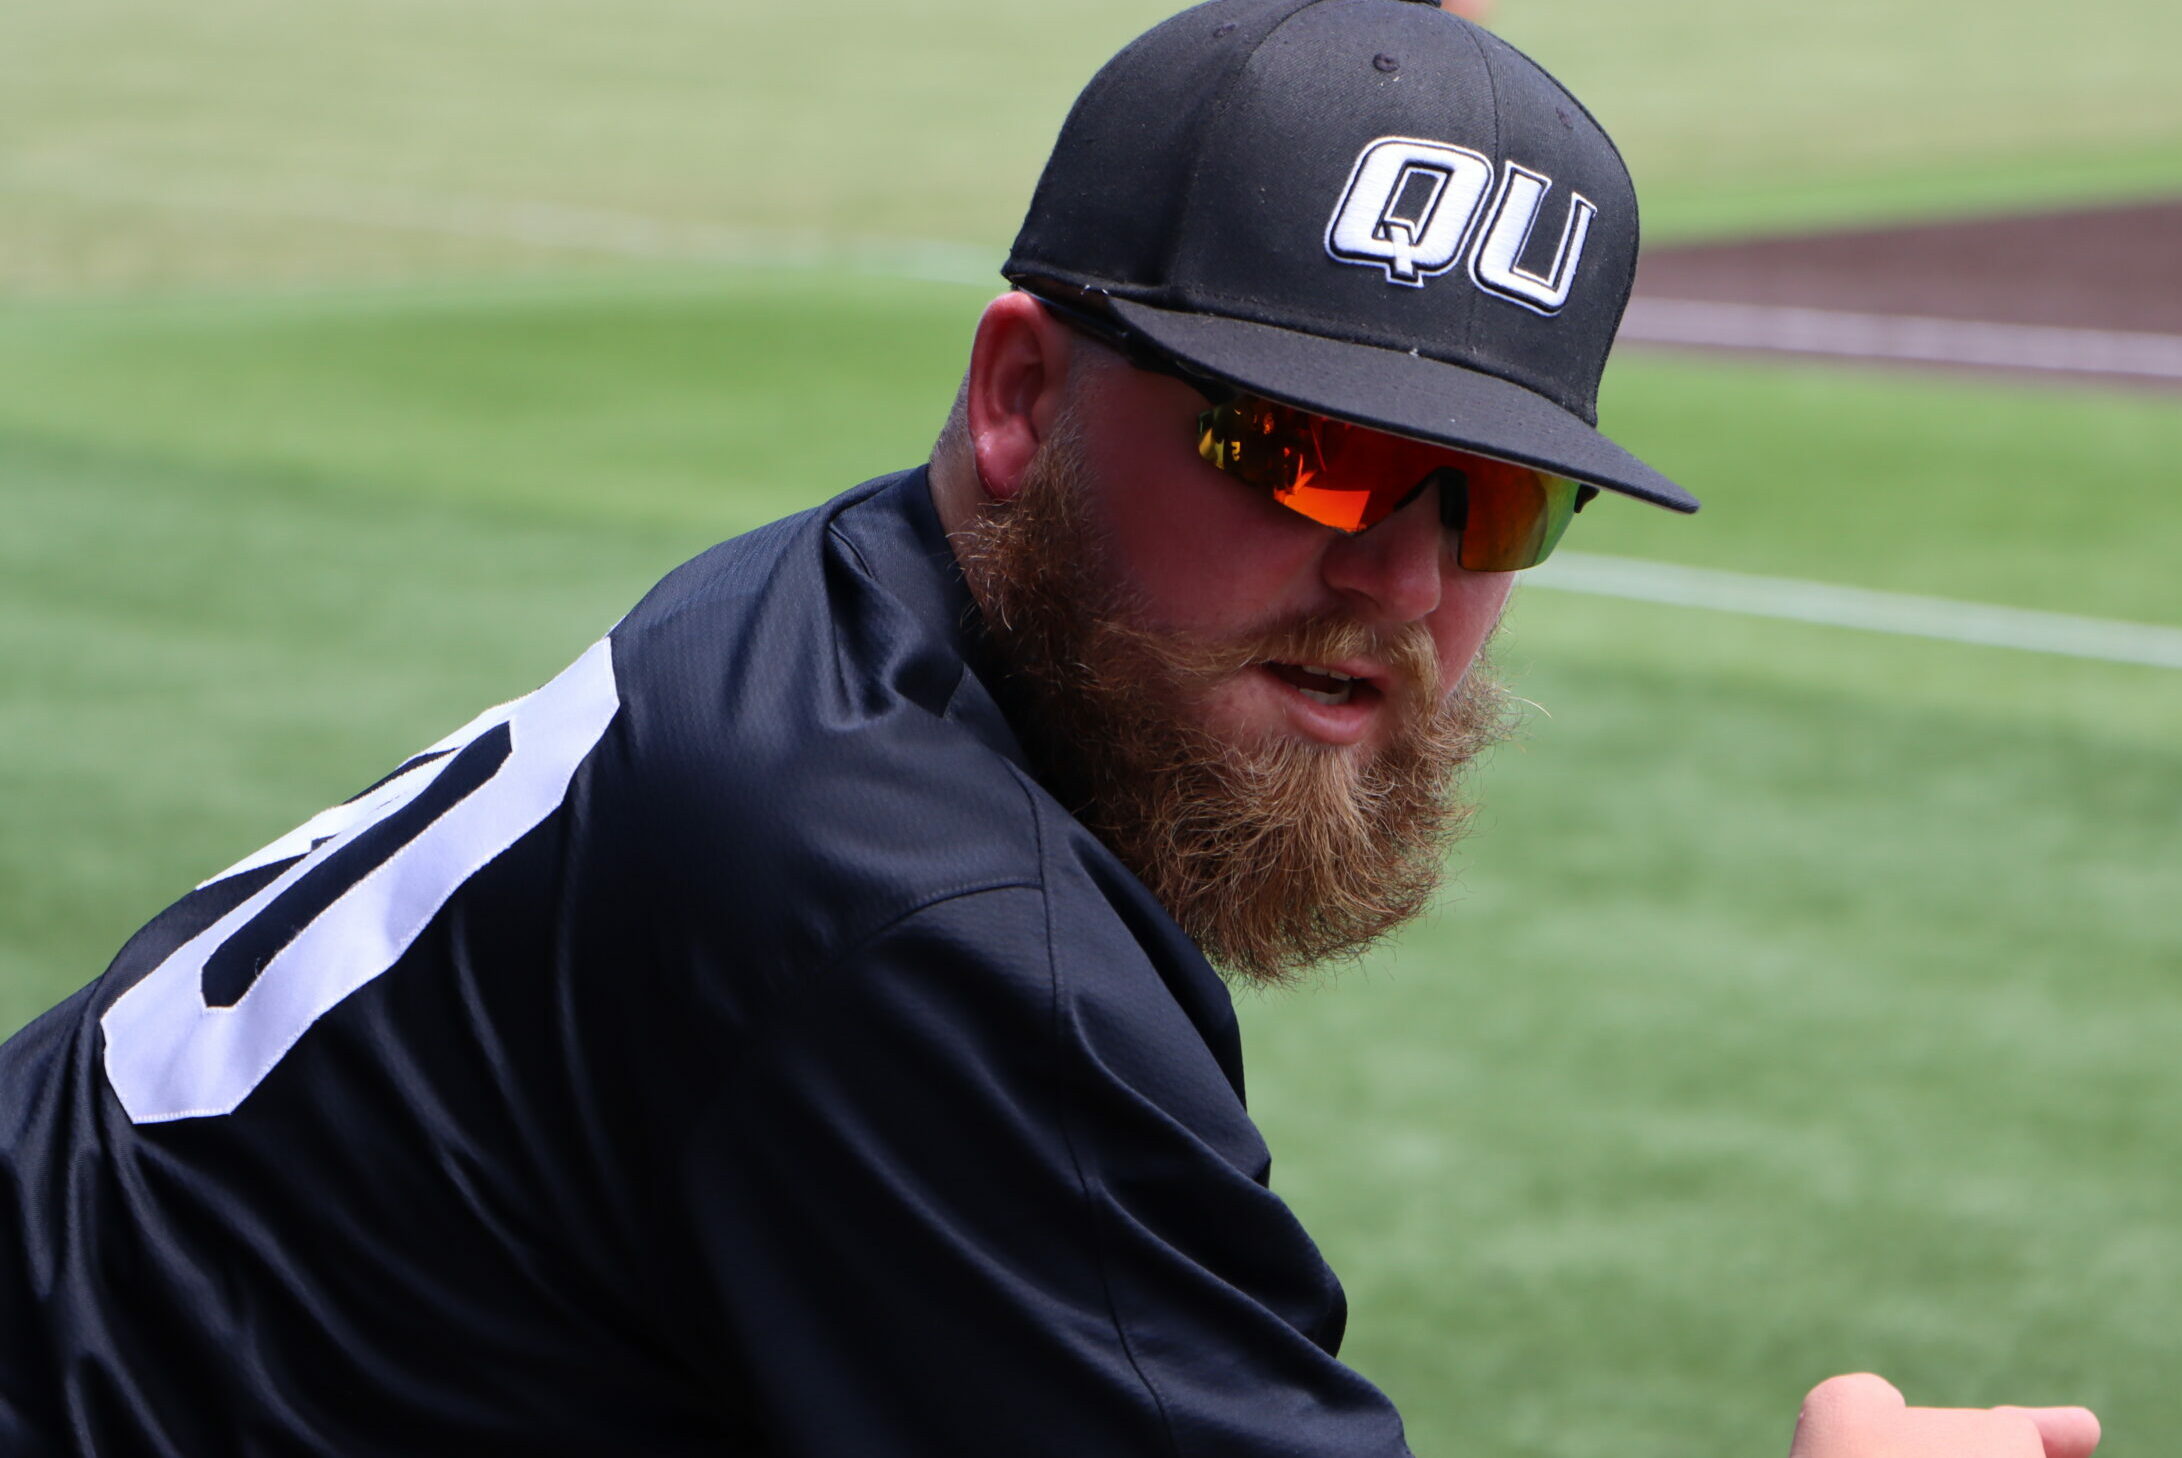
<point>982,1188</point>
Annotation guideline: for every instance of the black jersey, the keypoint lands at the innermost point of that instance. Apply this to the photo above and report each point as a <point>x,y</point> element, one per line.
<point>728,1048</point>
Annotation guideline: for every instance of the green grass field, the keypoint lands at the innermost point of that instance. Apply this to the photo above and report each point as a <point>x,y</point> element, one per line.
<point>1807,1000</point>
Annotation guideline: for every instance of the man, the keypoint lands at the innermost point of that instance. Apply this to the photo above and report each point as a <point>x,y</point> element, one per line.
<point>790,1031</point>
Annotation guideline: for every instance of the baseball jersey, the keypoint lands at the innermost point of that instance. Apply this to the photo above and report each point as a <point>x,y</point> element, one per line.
<point>728,1048</point>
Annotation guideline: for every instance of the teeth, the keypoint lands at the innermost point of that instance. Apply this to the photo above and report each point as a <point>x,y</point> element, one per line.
<point>1344,684</point>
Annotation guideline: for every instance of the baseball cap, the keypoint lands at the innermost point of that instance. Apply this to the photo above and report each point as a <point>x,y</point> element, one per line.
<point>1371,209</point>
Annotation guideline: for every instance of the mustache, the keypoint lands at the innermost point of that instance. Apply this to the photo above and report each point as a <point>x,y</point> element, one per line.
<point>1405,650</point>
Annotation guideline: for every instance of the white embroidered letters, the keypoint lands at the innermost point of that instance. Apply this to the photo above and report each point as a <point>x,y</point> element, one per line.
<point>1412,207</point>
<point>1495,265</point>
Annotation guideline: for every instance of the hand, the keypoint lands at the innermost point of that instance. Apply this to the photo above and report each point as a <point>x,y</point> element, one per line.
<point>1864,1417</point>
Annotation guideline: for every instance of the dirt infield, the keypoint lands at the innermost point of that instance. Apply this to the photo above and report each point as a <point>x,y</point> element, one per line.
<point>2094,293</point>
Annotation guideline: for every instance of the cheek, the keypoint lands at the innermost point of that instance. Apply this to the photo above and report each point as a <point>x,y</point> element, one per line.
<point>1466,618</point>
<point>1198,551</point>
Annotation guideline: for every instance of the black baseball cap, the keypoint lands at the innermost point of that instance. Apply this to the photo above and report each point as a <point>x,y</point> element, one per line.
<point>1371,209</point>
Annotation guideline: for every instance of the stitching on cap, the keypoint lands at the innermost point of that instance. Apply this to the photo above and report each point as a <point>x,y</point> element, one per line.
<point>1213,117</point>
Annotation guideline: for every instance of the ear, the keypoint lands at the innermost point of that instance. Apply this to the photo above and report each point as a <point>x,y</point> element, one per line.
<point>1018,369</point>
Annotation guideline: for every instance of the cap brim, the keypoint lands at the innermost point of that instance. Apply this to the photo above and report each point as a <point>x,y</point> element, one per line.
<point>1403,393</point>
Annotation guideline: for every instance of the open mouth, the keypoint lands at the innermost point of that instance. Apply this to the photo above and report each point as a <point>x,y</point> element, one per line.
<point>1321,684</point>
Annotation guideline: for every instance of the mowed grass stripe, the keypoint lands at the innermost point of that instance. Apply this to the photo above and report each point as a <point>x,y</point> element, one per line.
<point>713,400</point>
<point>684,396</point>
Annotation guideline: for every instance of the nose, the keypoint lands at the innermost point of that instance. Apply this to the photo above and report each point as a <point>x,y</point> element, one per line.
<point>1397,568</point>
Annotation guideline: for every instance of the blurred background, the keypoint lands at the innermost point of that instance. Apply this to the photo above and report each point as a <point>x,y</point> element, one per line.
<point>1809,999</point>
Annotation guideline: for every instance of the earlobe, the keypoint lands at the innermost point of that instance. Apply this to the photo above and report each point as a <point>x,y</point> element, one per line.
<point>1000,463</point>
<point>1017,365</point>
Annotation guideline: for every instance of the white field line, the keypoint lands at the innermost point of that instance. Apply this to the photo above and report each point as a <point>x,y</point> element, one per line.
<point>1858,607</point>
<point>1902,337</point>
<point>553,226</point>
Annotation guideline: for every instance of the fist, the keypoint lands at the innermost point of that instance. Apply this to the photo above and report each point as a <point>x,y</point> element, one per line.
<point>1864,1417</point>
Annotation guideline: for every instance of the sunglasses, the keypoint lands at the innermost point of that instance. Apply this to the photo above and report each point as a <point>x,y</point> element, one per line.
<point>1504,517</point>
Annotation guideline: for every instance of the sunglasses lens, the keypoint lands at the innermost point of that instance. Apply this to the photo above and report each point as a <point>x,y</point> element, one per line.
<point>1512,517</point>
<point>1351,478</point>
<point>1308,463</point>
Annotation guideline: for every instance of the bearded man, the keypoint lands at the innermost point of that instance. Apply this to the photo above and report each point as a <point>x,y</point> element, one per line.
<point>791,1030</point>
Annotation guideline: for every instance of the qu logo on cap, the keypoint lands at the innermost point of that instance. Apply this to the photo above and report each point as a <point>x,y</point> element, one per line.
<point>1413,208</point>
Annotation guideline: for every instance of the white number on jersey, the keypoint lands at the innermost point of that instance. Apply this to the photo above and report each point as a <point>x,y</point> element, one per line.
<point>205,1026</point>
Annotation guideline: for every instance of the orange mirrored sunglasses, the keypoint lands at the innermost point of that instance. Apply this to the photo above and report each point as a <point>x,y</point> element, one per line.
<point>1350,477</point>
<point>1505,517</point>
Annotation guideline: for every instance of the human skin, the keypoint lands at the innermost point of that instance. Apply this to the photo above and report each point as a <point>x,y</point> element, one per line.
<point>1862,1416</point>
<point>1206,556</point>
<point>1198,553</point>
